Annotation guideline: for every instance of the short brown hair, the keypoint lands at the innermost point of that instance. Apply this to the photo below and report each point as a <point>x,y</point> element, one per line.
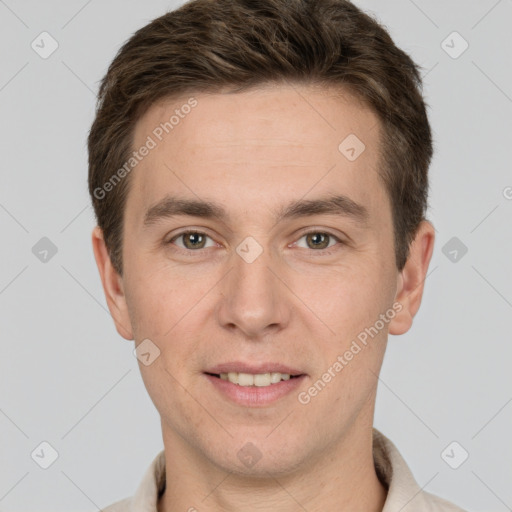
<point>208,45</point>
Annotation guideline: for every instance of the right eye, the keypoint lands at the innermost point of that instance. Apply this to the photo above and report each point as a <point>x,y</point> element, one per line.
<point>191,240</point>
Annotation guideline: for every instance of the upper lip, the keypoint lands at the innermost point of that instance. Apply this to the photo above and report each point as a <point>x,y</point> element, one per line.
<point>241,367</point>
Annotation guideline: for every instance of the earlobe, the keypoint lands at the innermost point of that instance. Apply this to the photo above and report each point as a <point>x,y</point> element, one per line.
<point>112,286</point>
<point>411,279</point>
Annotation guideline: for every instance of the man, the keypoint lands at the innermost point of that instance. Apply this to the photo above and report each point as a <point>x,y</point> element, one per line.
<point>259,175</point>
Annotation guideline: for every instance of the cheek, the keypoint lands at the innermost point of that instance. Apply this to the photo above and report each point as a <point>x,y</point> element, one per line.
<point>157,300</point>
<point>169,311</point>
<point>343,299</point>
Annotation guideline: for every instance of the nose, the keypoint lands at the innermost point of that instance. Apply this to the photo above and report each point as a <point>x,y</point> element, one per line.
<point>254,299</point>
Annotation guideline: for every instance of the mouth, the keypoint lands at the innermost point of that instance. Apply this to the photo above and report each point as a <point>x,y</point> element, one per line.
<point>254,375</point>
<point>254,379</point>
<point>254,385</point>
<point>256,388</point>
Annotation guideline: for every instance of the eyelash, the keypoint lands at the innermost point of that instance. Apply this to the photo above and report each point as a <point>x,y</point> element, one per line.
<point>322,252</point>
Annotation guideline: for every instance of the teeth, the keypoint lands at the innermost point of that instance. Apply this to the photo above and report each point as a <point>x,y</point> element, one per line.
<point>259,380</point>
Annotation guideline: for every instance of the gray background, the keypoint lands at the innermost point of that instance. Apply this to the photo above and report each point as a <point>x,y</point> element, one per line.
<point>68,378</point>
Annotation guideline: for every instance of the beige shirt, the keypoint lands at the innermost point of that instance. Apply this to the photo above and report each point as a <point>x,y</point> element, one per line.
<point>404,494</point>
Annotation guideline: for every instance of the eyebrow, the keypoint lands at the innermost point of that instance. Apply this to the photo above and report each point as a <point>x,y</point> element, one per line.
<point>341,205</point>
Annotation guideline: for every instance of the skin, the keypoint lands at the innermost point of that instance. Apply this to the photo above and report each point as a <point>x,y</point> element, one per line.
<point>254,152</point>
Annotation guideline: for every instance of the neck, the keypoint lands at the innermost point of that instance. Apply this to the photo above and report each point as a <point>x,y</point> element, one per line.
<point>343,478</point>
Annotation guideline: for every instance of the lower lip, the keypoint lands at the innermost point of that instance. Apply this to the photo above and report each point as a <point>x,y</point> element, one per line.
<point>254,396</point>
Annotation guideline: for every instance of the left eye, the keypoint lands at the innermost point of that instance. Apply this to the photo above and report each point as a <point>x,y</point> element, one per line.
<point>319,240</point>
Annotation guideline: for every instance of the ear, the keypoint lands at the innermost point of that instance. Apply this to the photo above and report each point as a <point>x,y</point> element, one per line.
<point>112,285</point>
<point>411,279</point>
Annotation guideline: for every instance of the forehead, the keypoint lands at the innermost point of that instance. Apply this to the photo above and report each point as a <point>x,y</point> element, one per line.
<point>270,143</point>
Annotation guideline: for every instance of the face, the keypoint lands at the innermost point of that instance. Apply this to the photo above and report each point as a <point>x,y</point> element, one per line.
<point>282,270</point>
